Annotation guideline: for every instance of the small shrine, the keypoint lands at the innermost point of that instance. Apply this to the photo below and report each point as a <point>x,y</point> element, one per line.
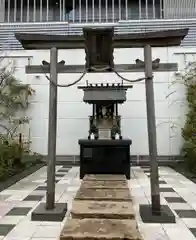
<point>105,122</point>
<point>105,150</point>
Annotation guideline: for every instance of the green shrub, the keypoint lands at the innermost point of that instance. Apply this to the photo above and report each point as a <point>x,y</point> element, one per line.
<point>189,130</point>
<point>14,97</point>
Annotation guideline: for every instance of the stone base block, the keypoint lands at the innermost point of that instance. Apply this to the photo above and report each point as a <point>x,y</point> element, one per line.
<point>105,184</point>
<point>55,215</point>
<point>102,229</point>
<point>103,194</point>
<point>102,209</point>
<point>166,215</point>
<point>104,177</point>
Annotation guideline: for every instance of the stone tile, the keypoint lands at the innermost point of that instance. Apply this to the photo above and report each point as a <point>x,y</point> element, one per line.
<point>56,181</point>
<point>101,209</point>
<point>62,171</point>
<point>103,194</point>
<point>13,220</point>
<point>23,185</point>
<point>43,238</point>
<point>178,231</point>
<point>152,232</point>
<point>43,176</point>
<point>189,222</point>
<point>16,238</point>
<point>14,192</point>
<point>168,179</point>
<point>47,232</point>
<point>169,194</point>
<point>38,192</point>
<point>139,181</point>
<point>18,211</point>
<point>140,200</point>
<point>45,223</point>
<point>58,178</point>
<point>43,184</point>
<point>180,206</point>
<point>147,170</point>
<point>105,184</point>
<point>59,175</point>
<point>4,197</point>
<point>193,231</point>
<point>24,229</point>
<point>64,181</point>
<point>41,188</point>
<point>40,180</point>
<point>72,189</point>
<point>98,177</point>
<point>29,204</point>
<point>175,200</point>
<point>99,229</point>
<point>5,208</point>
<point>166,189</point>
<point>189,198</point>
<point>5,229</point>
<point>186,213</point>
<point>16,198</point>
<point>34,198</point>
<point>162,182</point>
<point>65,169</point>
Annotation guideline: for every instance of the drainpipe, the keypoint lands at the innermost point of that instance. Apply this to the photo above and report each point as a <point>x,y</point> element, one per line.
<point>137,159</point>
<point>2,11</point>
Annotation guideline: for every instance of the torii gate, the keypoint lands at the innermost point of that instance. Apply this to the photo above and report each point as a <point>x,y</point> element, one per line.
<point>56,212</point>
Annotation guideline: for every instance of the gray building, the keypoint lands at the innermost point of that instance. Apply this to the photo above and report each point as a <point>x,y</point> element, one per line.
<point>68,16</point>
<point>80,11</point>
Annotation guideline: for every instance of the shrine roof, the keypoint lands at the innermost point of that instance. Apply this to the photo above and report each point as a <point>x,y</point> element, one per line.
<point>114,93</point>
<point>106,86</point>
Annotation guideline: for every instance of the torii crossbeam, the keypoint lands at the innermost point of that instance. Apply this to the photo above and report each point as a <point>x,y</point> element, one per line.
<point>55,212</point>
<point>161,67</point>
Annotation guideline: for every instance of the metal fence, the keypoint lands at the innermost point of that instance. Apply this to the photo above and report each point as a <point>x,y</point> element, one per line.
<point>91,11</point>
<point>79,11</point>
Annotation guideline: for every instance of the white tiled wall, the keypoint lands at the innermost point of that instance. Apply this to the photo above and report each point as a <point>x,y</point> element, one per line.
<point>73,113</point>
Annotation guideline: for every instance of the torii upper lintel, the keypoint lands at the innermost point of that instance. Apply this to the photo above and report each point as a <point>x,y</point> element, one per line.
<point>164,38</point>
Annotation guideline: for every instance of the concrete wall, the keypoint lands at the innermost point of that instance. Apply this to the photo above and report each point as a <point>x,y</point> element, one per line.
<point>73,113</point>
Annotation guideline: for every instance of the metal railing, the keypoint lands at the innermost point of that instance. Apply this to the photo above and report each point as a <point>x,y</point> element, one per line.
<point>79,11</point>
<point>94,11</point>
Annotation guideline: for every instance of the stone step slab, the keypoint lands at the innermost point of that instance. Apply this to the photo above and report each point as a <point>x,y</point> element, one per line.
<point>102,177</point>
<point>100,229</point>
<point>103,194</point>
<point>105,184</point>
<point>102,209</point>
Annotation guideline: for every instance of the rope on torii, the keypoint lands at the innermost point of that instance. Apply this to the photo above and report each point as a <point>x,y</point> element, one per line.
<point>139,62</point>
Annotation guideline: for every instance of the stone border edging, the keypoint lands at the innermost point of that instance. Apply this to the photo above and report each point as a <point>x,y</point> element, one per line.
<point>15,178</point>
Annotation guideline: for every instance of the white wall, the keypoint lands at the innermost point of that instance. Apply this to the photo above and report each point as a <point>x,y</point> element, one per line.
<point>73,113</point>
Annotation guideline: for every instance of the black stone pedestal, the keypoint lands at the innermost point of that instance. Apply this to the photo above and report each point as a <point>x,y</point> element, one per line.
<point>166,215</point>
<point>104,156</point>
<point>55,215</point>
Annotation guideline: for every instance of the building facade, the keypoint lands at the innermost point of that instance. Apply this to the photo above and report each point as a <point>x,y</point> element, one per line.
<point>126,16</point>
<point>81,11</point>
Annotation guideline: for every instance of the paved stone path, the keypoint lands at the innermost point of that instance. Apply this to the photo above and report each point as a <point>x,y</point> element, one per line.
<point>18,201</point>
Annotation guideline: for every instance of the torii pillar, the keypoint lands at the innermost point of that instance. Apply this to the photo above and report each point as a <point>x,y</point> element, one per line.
<point>153,213</point>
